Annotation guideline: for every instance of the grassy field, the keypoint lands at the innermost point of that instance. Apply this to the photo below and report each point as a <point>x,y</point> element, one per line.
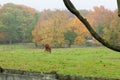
<point>96,62</point>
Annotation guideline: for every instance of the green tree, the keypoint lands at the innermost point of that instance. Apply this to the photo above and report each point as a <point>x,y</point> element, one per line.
<point>10,20</point>
<point>70,36</point>
<point>18,22</point>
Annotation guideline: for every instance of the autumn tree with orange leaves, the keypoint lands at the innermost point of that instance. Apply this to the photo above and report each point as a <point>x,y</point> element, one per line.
<point>50,28</point>
<point>19,23</point>
<point>72,9</point>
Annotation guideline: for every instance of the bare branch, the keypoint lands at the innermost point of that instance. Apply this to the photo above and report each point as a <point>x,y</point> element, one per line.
<point>73,10</point>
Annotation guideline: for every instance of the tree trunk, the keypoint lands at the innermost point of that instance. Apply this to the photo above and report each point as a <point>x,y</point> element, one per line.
<point>10,42</point>
<point>118,3</point>
<point>73,10</point>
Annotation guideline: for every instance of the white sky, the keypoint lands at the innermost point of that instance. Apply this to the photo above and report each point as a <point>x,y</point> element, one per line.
<point>58,4</point>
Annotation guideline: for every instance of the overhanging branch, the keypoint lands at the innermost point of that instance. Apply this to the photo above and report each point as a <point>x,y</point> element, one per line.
<point>73,10</point>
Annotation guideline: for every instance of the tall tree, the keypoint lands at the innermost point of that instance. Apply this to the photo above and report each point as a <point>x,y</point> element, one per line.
<point>113,31</point>
<point>50,28</point>
<point>18,21</point>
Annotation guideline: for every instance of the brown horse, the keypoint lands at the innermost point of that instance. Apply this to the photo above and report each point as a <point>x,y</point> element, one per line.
<point>47,48</point>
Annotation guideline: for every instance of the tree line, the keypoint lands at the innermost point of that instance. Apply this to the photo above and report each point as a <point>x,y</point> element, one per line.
<point>16,23</point>
<point>22,24</point>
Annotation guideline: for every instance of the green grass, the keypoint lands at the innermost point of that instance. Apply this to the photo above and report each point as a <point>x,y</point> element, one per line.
<point>95,62</point>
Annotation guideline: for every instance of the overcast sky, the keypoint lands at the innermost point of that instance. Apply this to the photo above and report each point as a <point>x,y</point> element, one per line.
<point>58,4</point>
